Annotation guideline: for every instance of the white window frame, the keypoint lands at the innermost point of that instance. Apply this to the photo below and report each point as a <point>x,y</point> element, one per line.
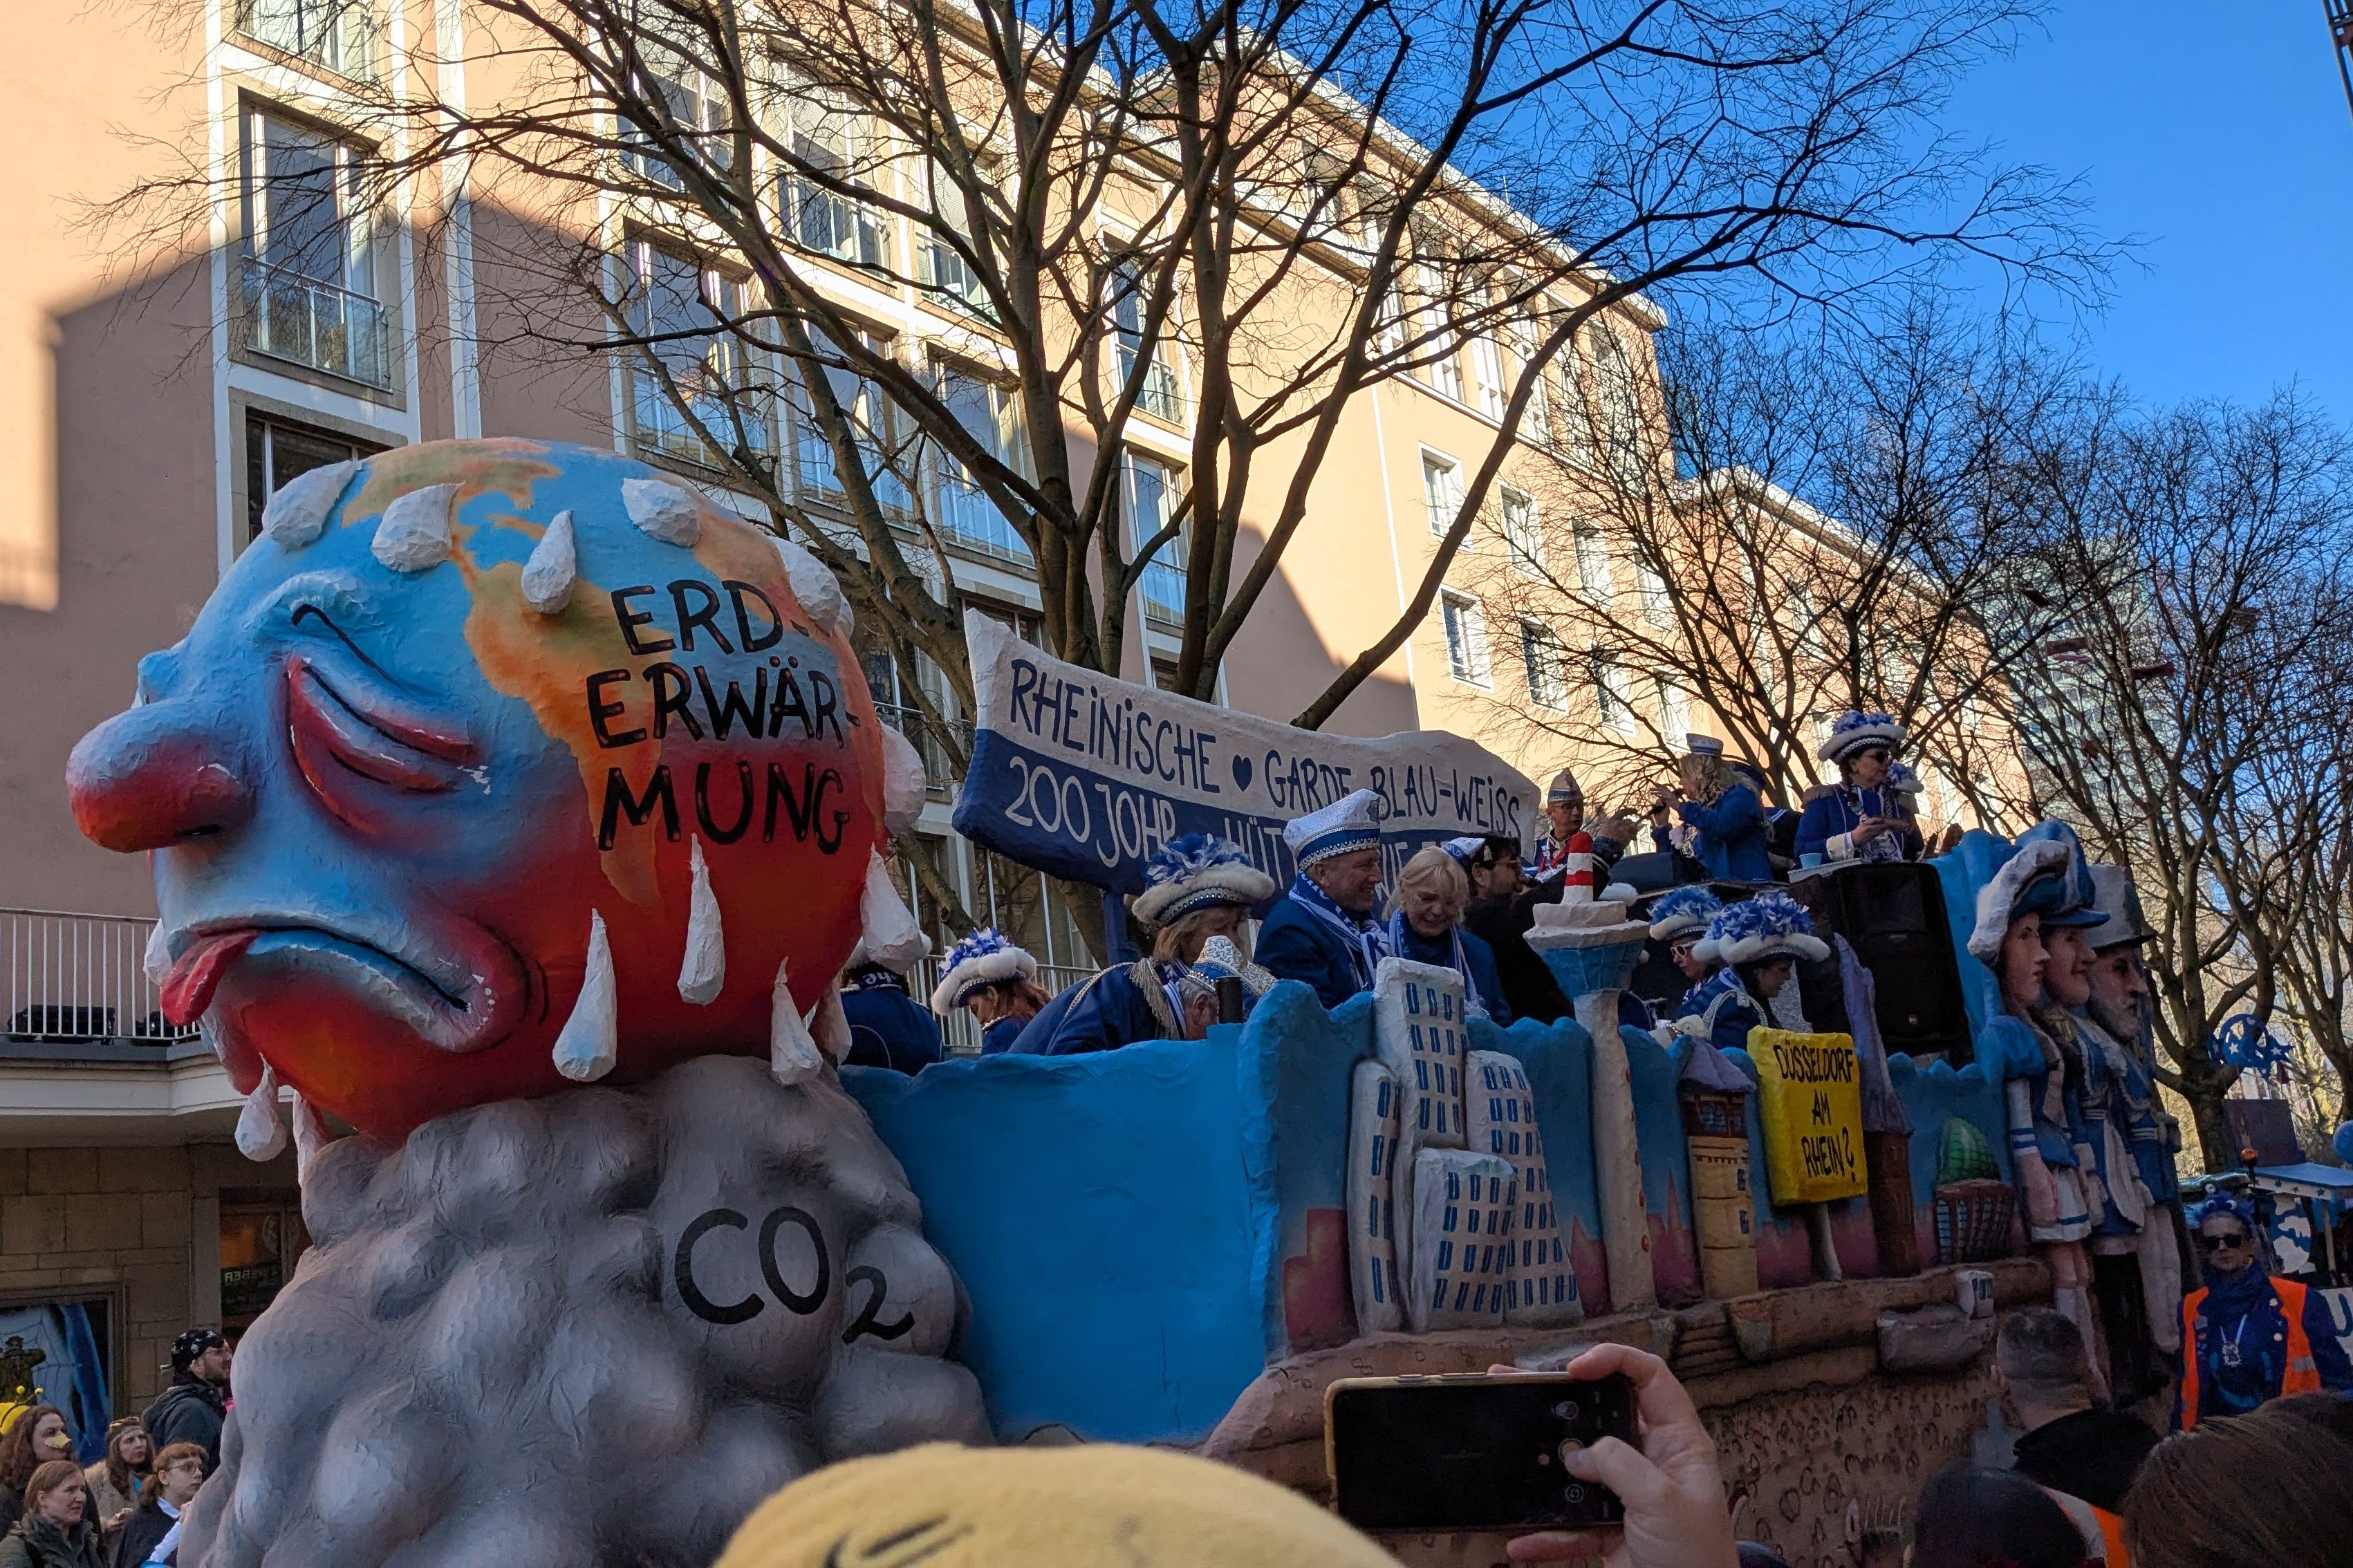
<point>1467,657</point>
<point>812,115</point>
<point>1488,386</point>
<point>1522,530</point>
<point>1547,684</point>
<point>1592,548</point>
<point>1442,500</point>
<point>1620,411</point>
<point>1674,708</point>
<point>1613,695</point>
<point>1167,568</point>
<point>1162,394</point>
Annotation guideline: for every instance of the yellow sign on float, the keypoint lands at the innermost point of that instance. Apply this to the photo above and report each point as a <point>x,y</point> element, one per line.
<point>1810,1094</point>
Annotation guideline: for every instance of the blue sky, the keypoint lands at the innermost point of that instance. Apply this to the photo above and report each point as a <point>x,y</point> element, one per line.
<point>2218,133</point>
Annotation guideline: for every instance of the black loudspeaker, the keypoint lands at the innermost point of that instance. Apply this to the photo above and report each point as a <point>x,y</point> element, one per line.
<point>1892,913</point>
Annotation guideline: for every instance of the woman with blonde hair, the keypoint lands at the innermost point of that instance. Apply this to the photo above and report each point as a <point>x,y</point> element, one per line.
<point>1426,926</point>
<point>1722,818</point>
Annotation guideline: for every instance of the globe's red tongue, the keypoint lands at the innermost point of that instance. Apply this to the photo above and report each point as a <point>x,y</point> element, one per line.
<point>188,989</point>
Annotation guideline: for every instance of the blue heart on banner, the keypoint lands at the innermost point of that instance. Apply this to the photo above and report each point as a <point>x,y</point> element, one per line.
<point>1242,771</point>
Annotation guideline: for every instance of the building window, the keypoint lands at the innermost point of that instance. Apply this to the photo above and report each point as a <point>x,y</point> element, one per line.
<point>1487,372</point>
<point>696,108</point>
<point>830,142</point>
<point>307,284</point>
<point>1547,665</point>
<point>259,1246</point>
<point>1441,491</point>
<point>278,450</point>
<point>871,430</point>
<point>1621,411</point>
<point>1674,709</point>
<point>1152,488</point>
<point>1535,420</point>
<point>1160,395</point>
<point>334,35</point>
<point>1656,607</point>
<point>1466,640</point>
<point>991,415</point>
<point>940,269</point>
<point>1572,421</point>
<point>688,308</point>
<point>1592,562</point>
<point>1522,538</point>
<point>1612,695</point>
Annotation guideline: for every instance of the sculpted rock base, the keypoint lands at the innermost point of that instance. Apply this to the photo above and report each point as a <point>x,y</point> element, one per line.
<point>593,1329</point>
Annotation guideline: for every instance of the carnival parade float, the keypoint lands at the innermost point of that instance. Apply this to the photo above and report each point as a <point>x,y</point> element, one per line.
<point>516,808</point>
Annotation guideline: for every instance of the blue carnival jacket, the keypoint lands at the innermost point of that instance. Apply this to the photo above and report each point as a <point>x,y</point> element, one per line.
<point>1733,1020</point>
<point>1295,945</point>
<point>1484,977</point>
<point>888,1028</point>
<point>1099,1013</point>
<point>999,1037</point>
<point>1731,837</point>
<point>1830,818</point>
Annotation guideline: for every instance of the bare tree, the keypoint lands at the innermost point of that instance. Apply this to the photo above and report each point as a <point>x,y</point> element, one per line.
<point>2179,719</point>
<point>1845,509</point>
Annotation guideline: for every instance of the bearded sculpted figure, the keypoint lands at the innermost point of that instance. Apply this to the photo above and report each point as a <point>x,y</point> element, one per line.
<point>516,808</point>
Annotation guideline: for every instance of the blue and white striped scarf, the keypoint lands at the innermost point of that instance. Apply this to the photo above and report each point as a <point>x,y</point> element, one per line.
<point>1367,941</point>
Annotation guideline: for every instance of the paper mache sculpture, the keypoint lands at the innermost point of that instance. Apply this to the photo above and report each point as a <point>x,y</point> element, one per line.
<point>491,770</point>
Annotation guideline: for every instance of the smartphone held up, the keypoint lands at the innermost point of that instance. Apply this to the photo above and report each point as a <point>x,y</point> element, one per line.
<point>1478,1452</point>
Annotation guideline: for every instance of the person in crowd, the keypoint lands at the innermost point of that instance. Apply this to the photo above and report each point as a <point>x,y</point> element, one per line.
<point>1722,820</point>
<point>1758,942</point>
<point>994,979</point>
<point>1323,930</point>
<point>1996,1518</point>
<point>1863,817</point>
<point>38,1436</point>
<point>1679,920</point>
<point>153,1532</point>
<point>2260,1490</point>
<point>1197,886</point>
<point>54,1530</point>
<point>1672,1485</point>
<point>2044,886</point>
<point>1780,822</point>
<point>1492,861</point>
<point>888,1028</point>
<point>1426,926</point>
<point>2247,1338</point>
<point>2069,1445</point>
<point>1564,810</point>
<point>194,1408</point>
<point>114,1480</point>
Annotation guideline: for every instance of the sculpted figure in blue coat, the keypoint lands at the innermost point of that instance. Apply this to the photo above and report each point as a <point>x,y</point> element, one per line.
<point>1722,820</point>
<point>996,981</point>
<point>1325,930</point>
<point>1864,816</point>
<point>1198,887</point>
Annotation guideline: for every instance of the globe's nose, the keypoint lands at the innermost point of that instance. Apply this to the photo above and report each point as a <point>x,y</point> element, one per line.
<point>153,778</point>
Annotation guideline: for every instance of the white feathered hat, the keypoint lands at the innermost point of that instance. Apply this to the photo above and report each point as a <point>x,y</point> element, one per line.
<point>1770,925</point>
<point>1852,731</point>
<point>984,957</point>
<point>1196,871</point>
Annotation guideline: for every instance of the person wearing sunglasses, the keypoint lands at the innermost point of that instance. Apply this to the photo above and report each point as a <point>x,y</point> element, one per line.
<point>1864,817</point>
<point>2247,1338</point>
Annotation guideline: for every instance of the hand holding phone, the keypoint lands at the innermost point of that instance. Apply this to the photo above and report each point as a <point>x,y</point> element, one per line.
<point>1670,1485</point>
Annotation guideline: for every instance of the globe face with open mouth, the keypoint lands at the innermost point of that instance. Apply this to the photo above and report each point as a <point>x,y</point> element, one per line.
<point>474,725</point>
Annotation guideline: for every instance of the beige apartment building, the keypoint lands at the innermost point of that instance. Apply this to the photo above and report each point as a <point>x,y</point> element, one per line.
<point>152,397</point>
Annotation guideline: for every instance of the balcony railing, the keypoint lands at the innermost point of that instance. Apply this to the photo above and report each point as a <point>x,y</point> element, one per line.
<point>968,517</point>
<point>960,1032</point>
<point>288,316</point>
<point>930,738</point>
<point>662,425</point>
<point>73,979</point>
<point>1160,397</point>
<point>1160,588</point>
<point>948,279</point>
<point>338,34</point>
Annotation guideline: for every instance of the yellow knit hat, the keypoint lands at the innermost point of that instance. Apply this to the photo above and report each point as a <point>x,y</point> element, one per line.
<point>1098,1505</point>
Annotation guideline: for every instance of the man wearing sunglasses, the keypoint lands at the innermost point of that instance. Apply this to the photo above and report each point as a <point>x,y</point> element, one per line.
<point>2246,1337</point>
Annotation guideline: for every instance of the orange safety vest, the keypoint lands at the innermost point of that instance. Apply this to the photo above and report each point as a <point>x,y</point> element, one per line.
<point>2303,1377</point>
<point>2103,1533</point>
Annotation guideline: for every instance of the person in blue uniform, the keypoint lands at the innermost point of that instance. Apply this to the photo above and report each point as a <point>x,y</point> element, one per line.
<point>1679,921</point>
<point>1426,925</point>
<point>1197,886</point>
<point>1564,810</point>
<point>1864,816</point>
<point>1722,821</point>
<point>996,981</point>
<point>888,1028</point>
<point>1324,931</point>
<point>1758,942</point>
